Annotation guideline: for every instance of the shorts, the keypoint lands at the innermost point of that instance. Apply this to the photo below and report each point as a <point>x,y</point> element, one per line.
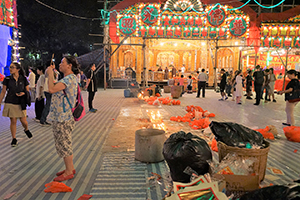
<point>62,132</point>
<point>13,111</point>
<point>222,88</point>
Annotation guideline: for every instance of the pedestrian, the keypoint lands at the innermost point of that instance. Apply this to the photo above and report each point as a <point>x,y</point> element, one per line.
<point>229,83</point>
<point>266,86</point>
<point>61,115</point>
<point>40,95</point>
<point>17,88</point>
<point>239,87</point>
<point>166,77</point>
<point>83,79</point>
<point>31,80</point>
<point>91,86</point>
<point>280,76</point>
<point>174,71</point>
<point>48,96</point>
<point>249,80</point>
<point>202,78</point>
<point>259,79</point>
<point>272,84</point>
<point>289,90</point>
<point>159,69</point>
<point>223,85</point>
<point>189,85</point>
<point>181,83</point>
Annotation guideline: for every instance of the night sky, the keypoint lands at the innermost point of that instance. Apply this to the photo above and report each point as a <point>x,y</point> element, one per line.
<point>45,31</point>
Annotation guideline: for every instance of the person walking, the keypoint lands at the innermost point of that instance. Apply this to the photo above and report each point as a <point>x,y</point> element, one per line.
<point>259,79</point>
<point>40,95</point>
<point>223,85</point>
<point>83,79</point>
<point>249,80</point>
<point>189,86</point>
<point>91,86</point>
<point>266,85</point>
<point>48,95</point>
<point>239,87</point>
<point>31,80</point>
<point>229,83</point>
<point>272,84</point>
<point>289,90</point>
<point>17,88</point>
<point>202,78</point>
<point>63,122</point>
<point>174,71</point>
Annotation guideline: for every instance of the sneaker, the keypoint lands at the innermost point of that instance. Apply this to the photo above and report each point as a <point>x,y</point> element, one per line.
<point>197,97</point>
<point>256,104</point>
<point>274,100</point>
<point>14,142</point>
<point>28,133</point>
<point>286,124</point>
<point>36,120</point>
<point>268,99</point>
<point>226,98</point>
<point>93,110</point>
<point>248,98</point>
<point>240,103</point>
<point>230,95</point>
<point>221,99</point>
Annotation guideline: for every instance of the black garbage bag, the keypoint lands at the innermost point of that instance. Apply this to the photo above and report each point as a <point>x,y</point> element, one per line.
<point>182,150</point>
<point>233,134</point>
<point>276,192</point>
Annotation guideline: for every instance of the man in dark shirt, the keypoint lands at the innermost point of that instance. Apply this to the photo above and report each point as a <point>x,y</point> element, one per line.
<point>258,76</point>
<point>222,85</point>
<point>91,86</point>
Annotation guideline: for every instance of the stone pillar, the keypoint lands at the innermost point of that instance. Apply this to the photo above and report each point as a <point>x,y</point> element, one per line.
<point>155,53</point>
<point>198,58</point>
<point>193,57</point>
<point>121,58</point>
<point>139,67</point>
<point>180,60</point>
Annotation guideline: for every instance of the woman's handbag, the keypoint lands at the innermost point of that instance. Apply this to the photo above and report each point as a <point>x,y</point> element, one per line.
<point>78,110</point>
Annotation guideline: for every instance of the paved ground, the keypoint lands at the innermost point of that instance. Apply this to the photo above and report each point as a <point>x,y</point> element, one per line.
<point>104,148</point>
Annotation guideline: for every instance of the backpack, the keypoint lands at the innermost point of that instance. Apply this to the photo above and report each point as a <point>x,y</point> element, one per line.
<point>259,78</point>
<point>78,110</point>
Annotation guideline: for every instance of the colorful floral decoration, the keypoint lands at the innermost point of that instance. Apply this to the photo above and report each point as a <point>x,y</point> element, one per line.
<point>8,14</point>
<point>216,16</point>
<point>127,25</point>
<point>238,27</point>
<point>280,35</point>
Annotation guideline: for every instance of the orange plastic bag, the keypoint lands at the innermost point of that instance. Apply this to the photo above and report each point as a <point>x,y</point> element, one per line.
<point>292,133</point>
<point>157,94</point>
<point>214,145</point>
<point>56,187</point>
<point>211,115</point>
<point>265,133</point>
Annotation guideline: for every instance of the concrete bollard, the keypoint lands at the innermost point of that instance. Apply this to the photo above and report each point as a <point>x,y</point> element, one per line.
<point>149,145</point>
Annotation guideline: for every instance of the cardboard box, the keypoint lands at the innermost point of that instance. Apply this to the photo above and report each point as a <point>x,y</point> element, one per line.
<point>239,182</point>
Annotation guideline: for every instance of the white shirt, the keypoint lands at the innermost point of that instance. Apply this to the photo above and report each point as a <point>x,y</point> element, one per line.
<point>31,80</point>
<point>40,83</point>
<point>182,69</point>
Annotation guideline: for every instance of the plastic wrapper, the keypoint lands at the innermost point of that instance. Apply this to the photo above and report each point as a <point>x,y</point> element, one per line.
<point>233,134</point>
<point>233,164</point>
<point>276,192</point>
<point>204,191</point>
<point>266,133</point>
<point>55,187</point>
<point>185,149</point>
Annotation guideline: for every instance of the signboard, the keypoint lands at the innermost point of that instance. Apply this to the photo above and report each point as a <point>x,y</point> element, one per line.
<point>216,22</point>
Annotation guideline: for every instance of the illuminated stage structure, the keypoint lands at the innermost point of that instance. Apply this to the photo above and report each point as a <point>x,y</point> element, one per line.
<point>194,34</point>
<point>9,43</point>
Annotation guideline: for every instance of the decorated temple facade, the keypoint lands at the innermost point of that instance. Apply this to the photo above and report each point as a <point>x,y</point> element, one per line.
<point>192,35</point>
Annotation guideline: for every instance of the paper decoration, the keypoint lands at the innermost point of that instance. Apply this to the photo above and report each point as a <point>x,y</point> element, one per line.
<point>127,25</point>
<point>238,27</point>
<point>216,16</point>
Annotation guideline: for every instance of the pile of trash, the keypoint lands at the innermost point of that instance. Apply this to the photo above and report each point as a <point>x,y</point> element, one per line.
<point>196,116</point>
